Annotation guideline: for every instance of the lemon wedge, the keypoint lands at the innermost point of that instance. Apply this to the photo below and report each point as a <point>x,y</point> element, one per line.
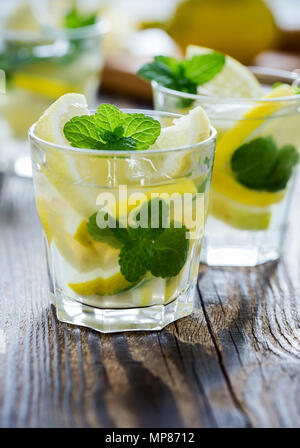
<point>22,18</point>
<point>187,130</point>
<point>240,216</point>
<point>104,283</point>
<point>59,167</point>
<point>223,179</point>
<point>251,121</point>
<point>80,257</point>
<point>50,126</point>
<point>47,87</point>
<point>235,80</point>
<point>82,235</point>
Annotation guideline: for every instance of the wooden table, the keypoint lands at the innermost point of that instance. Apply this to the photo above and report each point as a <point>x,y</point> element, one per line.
<point>234,363</point>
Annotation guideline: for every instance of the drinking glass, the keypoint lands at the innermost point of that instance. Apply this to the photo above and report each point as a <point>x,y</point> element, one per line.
<point>40,66</point>
<point>245,227</point>
<point>75,187</point>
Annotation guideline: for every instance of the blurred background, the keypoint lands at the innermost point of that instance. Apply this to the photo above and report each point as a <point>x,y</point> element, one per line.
<point>256,32</point>
<point>51,47</point>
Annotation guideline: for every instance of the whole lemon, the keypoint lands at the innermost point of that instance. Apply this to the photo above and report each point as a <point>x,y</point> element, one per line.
<point>240,28</point>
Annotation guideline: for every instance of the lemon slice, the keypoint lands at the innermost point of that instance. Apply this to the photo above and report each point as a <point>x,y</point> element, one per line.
<point>240,216</point>
<point>223,179</point>
<point>188,130</point>
<point>47,87</point>
<point>103,282</point>
<point>22,18</point>
<point>50,126</point>
<point>82,235</point>
<point>80,257</point>
<point>235,80</point>
<point>251,121</point>
<point>59,167</point>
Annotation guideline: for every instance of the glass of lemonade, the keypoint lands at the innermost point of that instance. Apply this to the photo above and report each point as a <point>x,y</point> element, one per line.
<point>128,279</point>
<point>247,223</point>
<point>40,64</point>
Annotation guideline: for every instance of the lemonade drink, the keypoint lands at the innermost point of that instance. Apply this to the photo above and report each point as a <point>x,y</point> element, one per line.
<point>256,155</point>
<point>41,63</point>
<point>128,276</point>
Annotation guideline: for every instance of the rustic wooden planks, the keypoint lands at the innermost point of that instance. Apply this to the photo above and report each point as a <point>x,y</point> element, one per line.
<point>233,363</point>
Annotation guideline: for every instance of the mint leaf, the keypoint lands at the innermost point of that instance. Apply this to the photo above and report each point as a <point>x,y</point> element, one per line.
<point>259,164</point>
<point>73,19</point>
<point>115,141</point>
<point>162,70</point>
<point>253,161</point>
<point>203,68</point>
<point>82,132</point>
<point>184,75</point>
<point>277,84</point>
<point>152,218</point>
<point>169,252</point>
<point>142,129</point>
<point>108,117</point>
<point>282,170</point>
<point>162,251</point>
<point>134,260</point>
<point>110,129</point>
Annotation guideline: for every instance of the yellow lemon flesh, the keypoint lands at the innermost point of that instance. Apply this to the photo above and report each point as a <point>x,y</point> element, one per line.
<point>59,168</point>
<point>102,285</point>
<point>79,256</point>
<point>47,87</point>
<point>240,216</point>
<point>223,179</point>
<point>235,80</point>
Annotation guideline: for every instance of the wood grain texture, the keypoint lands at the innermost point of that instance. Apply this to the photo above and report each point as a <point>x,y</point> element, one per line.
<point>234,363</point>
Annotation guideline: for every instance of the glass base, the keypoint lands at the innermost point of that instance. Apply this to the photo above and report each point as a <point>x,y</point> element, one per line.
<point>237,256</point>
<point>227,246</point>
<point>149,318</point>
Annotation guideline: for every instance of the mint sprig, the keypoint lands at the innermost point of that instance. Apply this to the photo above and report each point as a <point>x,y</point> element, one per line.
<point>162,249</point>
<point>282,170</point>
<point>74,19</point>
<point>111,129</point>
<point>261,165</point>
<point>185,75</point>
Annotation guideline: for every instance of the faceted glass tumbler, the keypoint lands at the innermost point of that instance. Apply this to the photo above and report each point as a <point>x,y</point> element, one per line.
<point>244,227</point>
<point>71,185</point>
<point>39,67</point>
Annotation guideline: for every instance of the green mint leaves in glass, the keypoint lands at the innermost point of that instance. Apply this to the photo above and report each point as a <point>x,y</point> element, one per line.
<point>43,59</point>
<point>256,114</point>
<point>122,197</point>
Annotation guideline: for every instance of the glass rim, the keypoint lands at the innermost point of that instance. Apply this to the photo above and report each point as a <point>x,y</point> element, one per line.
<point>95,152</point>
<point>99,28</point>
<point>288,76</point>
